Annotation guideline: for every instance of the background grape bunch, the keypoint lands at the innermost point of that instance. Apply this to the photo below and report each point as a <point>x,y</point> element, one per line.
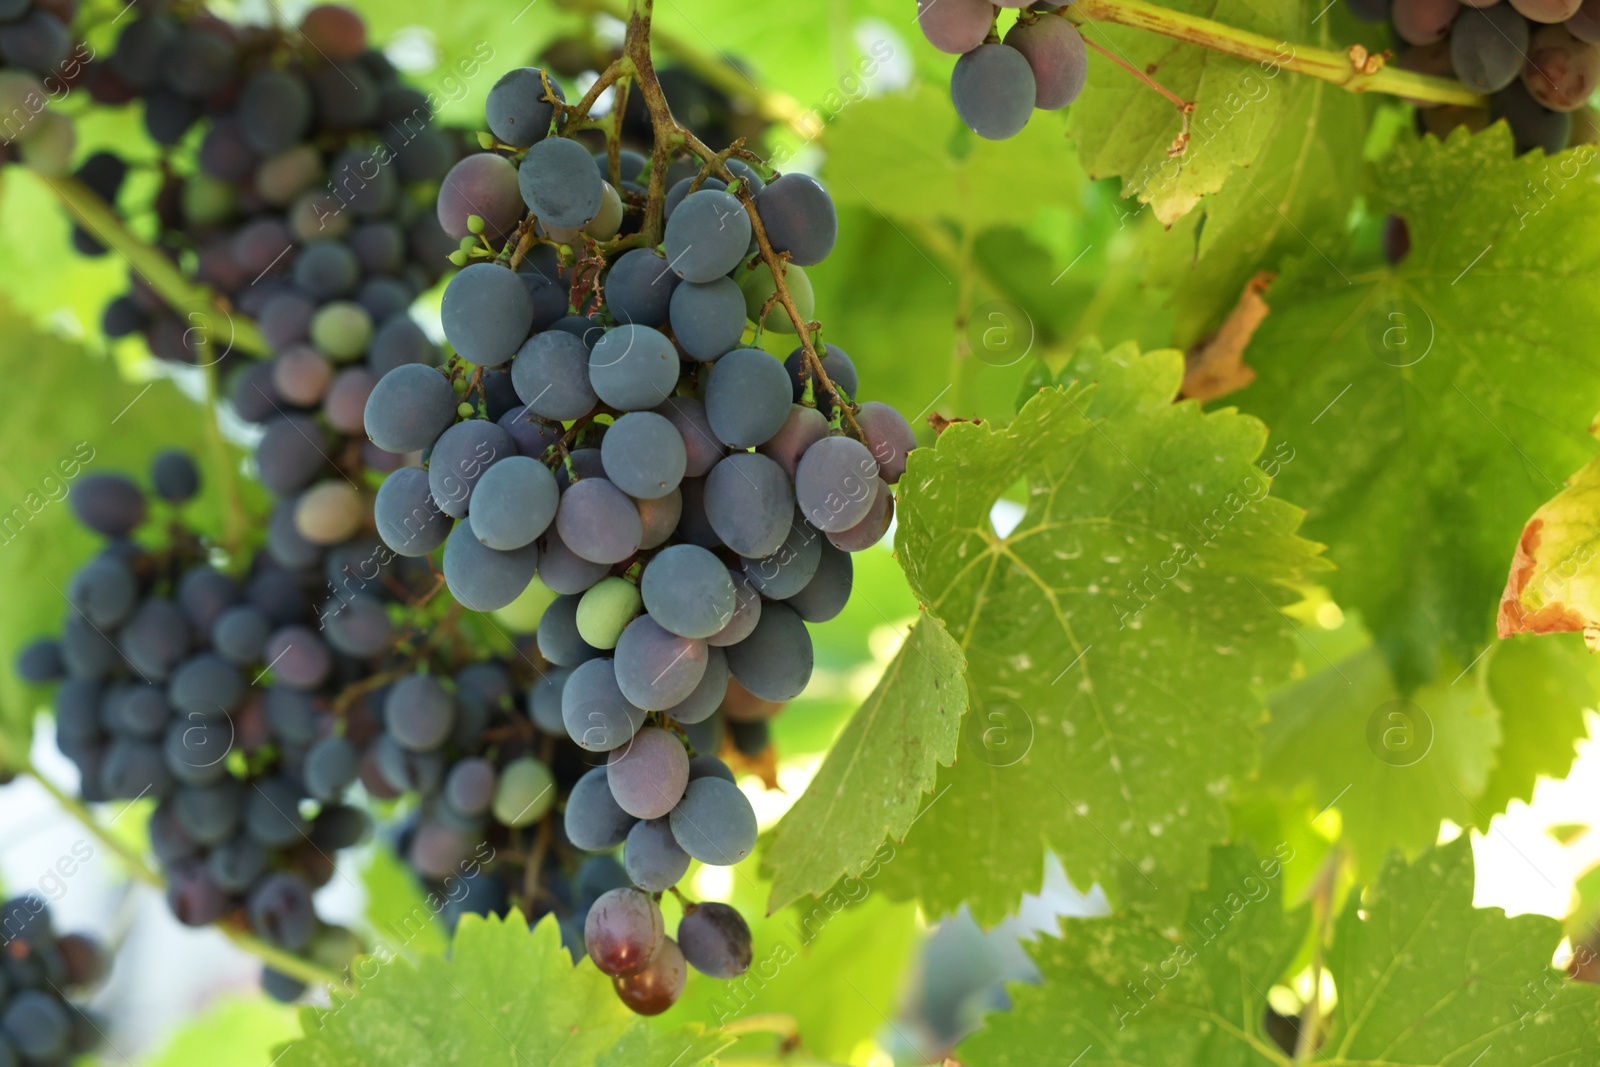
<point>690,499</point>
<point>40,970</point>
<point>210,693</point>
<point>1538,61</point>
<point>40,62</point>
<point>998,83</point>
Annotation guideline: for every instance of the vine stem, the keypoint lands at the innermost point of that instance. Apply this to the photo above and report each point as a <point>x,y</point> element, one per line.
<point>288,963</point>
<point>1322,888</point>
<point>235,521</point>
<point>1335,67</point>
<point>669,134</point>
<point>160,273</point>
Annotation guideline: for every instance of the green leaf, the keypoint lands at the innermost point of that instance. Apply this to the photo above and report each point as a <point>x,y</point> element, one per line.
<point>1129,991</point>
<point>1554,584</point>
<point>1393,767</point>
<point>874,144</point>
<point>1422,978</point>
<point>1540,686</point>
<point>507,994</point>
<point>1294,196</point>
<point>239,1032</point>
<point>1113,639</point>
<point>400,914</point>
<point>872,781</point>
<point>1433,402</point>
<point>1125,128</point>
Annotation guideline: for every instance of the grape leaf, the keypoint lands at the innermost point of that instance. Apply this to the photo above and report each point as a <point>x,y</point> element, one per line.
<point>1433,401</point>
<point>873,144</point>
<point>1295,193</point>
<point>1125,128</point>
<point>873,779</point>
<point>1393,767</point>
<point>507,994</point>
<point>238,1031</point>
<point>1540,686</point>
<point>1423,978</point>
<point>1552,587</point>
<point>1112,639</point>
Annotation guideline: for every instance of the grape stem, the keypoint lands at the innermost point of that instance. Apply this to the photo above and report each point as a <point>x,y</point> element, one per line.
<point>288,963</point>
<point>204,312</point>
<point>1329,66</point>
<point>1185,107</point>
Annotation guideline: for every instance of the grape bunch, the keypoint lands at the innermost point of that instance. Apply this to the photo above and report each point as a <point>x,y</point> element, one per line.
<point>39,1025</point>
<point>308,213</point>
<point>998,83</point>
<point>209,694</point>
<point>1537,60</point>
<point>40,62</point>
<point>607,426</point>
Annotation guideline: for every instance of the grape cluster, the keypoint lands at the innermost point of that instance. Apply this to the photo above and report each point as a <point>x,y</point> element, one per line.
<point>39,1025</point>
<point>177,681</point>
<point>607,427</point>
<point>997,84</point>
<point>1538,61</point>
<point>40,61</point>
<point>307,213</point>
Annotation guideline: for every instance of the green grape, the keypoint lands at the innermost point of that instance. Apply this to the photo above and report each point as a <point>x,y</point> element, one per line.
<point>605,611</point>
<point>341,330</point>
<point>757,287</point>
<point>525,793</point>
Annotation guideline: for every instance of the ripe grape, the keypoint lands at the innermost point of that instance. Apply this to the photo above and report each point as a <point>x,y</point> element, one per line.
<point>701,447</point>
<point>560,184</point>
<point>485,185</point>
<point>652,857</point>
<point>280,911</point>
<point>647,777</point>
<point>633,368</point>
<point>1547,10</point>
<point>37,1026</point>
<point>551,376</point>
<point>802,428</point>
<point>714,822</point>
<point>408,519</point>
<point>836,364</point>
<point>644,454</point>
<point>206,684</point>
<point>749,502</point>
<point>1487,47</point>
<point>1585,22</point>
<point>715,940</point>
<point>707,318</point>
<point>461,456</point>
<point>469,788</point>
<point>836,483</point>
<point>623,931</point>
<point>888,437</point>
<point>409,408</point>
<point>870,530</point>
<point>659,517</point>
<point>800,218</point>
<point>1055,53</point>
<point>518,109</point>
<point>597,716</point>
<point>993,89</point>
<point>828,591</point>
<point>656,668</point>
<point>1562,70</point>
<point>774,662</point>
<point>515,501</point>
<point>272,814</point>
<point>955,26</point>
<point>687,591</point>
<point>1423,21</point>
<point>1532,124</point>
<point>107,503</point>
<point>598,521</point>
<point>787,571</point>
<point>486,313</point>
<point>658,985</point>
<point>593,821</point>
<point>175,476</point>
<point>747,397</point>
<point>563,570</point>
<point>482,578</point>
<point>639,288</point>
<point>707,235</point>
<point>708,693</point>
